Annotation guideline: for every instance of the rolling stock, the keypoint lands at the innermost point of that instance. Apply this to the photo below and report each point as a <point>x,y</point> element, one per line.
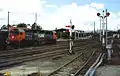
<point>20,37</point>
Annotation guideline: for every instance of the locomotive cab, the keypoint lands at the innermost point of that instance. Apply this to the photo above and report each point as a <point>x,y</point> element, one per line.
<point>16,36</point>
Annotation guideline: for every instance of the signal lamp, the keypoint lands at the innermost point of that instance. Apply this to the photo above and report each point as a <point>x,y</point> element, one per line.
<point>107,14</point>
<point>98,14</point>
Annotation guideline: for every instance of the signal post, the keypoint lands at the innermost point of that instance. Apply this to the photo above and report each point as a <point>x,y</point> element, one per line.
<point>106,47</point>
<point>104,37</point>
<point>71,40</point>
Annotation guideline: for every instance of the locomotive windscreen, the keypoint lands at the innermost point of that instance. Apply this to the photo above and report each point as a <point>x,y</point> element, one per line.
<point>14,32</point>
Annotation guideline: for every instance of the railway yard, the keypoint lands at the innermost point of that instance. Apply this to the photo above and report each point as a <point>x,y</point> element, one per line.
<point>54,60</point>
<point>60,38</point>
<point>50,59</point>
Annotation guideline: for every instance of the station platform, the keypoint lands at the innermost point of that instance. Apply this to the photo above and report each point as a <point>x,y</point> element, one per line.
<point>108,70</point>
<point>112,68</point>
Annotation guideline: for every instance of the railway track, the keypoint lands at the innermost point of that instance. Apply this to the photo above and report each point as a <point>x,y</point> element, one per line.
<point>21,55</point>
<point>95,65</point>
<point>81,70</point>
<point>59,44</point>
<point>9,59</point>
<point>34,50</point>
<point>76,66</point>
<point>17,60</point>
<point>31,51</point>
<point>64,69</point>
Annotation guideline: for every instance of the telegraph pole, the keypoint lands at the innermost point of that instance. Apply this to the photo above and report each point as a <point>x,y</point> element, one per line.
<point>35,20</point>
<point>94,26</point>
<point>8,28</point>
<point>35,17</point>
<point>8,17</point>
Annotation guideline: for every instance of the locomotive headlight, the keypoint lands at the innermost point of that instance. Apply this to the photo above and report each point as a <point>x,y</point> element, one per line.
<point>13,37</point>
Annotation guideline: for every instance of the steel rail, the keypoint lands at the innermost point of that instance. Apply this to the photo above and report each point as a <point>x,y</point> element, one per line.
<point>78,71</point>
<point>28,58</point>
<point>64,65</point>
<point>92,69</point>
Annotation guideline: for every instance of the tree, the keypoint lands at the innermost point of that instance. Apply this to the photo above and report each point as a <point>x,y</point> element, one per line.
<point>8,25</point>
<point>56,28</point>
<point>39,27</point>
<point>29,25</point>
<point>4,27</point>
<point>22,25</point>
<point>36,27</point>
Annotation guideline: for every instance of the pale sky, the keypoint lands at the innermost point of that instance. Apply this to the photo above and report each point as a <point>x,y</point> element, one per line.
<point>52,14</point>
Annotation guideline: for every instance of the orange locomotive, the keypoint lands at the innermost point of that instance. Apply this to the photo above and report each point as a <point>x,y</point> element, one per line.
<point>16,35</point>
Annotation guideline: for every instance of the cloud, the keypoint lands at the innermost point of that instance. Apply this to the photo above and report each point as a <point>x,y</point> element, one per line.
<point>82,16</point>
<point>21,10</point>
<point>1,9</point>
<point>98,6</point>
<point>118,13</point>
<point>22,5</point>
<point>2,18</point>
<point>49,5</point>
